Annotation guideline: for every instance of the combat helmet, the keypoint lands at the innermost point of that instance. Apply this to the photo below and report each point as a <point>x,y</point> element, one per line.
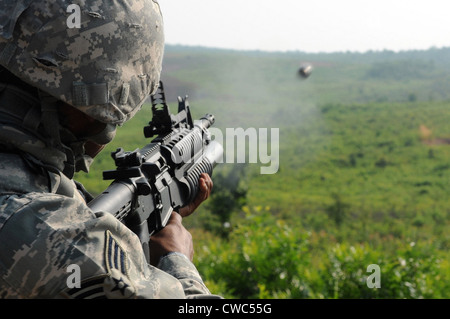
<point>105,65</point>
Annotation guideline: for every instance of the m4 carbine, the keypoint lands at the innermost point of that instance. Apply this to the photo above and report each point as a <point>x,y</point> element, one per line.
<point>150,183</point>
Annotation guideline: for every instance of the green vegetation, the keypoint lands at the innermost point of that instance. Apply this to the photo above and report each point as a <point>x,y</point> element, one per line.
<point>363,178</point>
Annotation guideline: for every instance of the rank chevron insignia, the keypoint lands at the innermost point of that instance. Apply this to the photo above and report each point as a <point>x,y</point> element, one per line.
<point>115,283</point>
<point>115,257</point>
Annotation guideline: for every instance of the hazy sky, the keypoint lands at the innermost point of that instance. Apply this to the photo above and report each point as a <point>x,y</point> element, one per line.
<point>310,26</point>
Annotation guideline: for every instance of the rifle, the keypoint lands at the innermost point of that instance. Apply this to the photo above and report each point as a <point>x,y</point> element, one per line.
<point>149,183</point>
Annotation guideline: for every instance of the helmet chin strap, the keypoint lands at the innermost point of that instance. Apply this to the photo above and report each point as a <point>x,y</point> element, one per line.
<point>37,116</point>
<point>50,118</point>
<point>77,149</point>
<point>51,125</point>
<point>64,140</point>
<point>86,150</point>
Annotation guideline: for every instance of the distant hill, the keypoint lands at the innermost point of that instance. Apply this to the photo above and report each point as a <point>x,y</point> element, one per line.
<point>337,77</point>
<point>363,172</point>
<point>252,89</point>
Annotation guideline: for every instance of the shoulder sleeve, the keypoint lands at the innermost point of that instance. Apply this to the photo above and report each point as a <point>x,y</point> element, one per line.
<point>54,246</point>
<point>179,266</point>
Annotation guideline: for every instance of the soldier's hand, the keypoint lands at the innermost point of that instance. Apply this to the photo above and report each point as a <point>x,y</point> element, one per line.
<point>205,188</point>
<point>175,237</point>
<point>172,238</point>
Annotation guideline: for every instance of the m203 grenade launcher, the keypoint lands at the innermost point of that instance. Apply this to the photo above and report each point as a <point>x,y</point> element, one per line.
<point>163,176</point>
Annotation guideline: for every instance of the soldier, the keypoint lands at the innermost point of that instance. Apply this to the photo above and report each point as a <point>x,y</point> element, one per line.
<point>63,91</point>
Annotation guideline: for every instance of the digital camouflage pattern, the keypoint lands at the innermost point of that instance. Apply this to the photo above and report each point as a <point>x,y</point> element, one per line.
<point>43,234</point>
<point>106,68</point>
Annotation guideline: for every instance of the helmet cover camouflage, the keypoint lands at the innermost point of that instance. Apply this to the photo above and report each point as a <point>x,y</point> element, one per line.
<point>106,68</point>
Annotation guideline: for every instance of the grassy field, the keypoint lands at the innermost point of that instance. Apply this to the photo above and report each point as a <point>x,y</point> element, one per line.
<point>363,179</point>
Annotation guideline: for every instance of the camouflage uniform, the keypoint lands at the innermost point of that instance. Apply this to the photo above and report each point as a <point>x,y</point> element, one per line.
<point>43,233</point>
<point>47,232</point>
